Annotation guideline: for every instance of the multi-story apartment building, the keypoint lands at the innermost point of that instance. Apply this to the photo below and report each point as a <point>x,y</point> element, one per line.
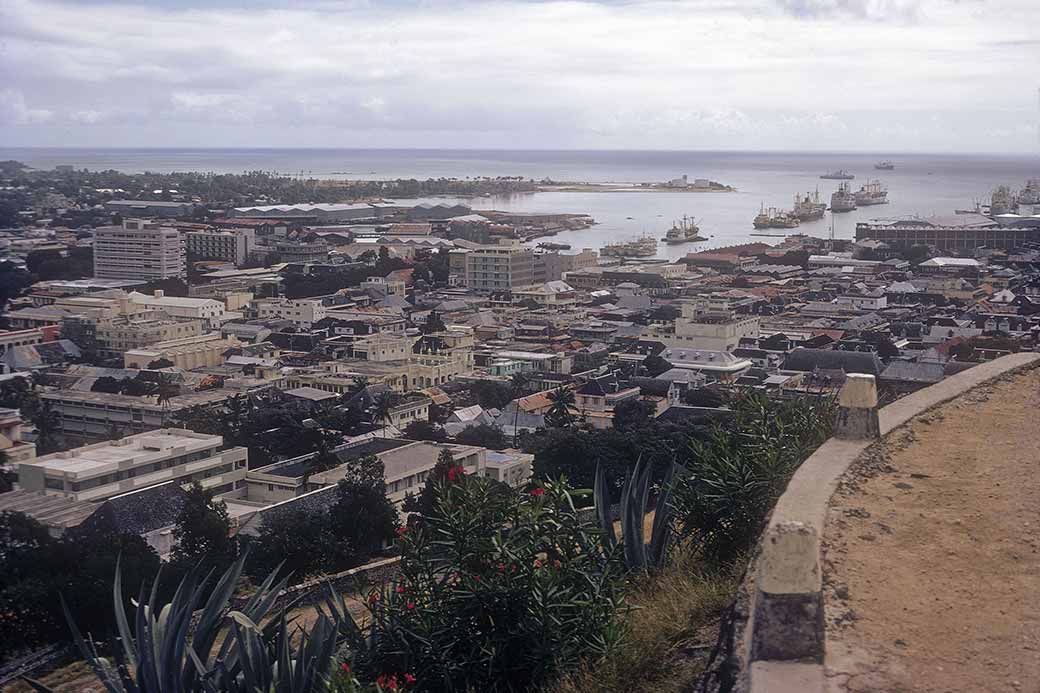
<point>138,250</point>
<point>93,415</point>
<point>704,325</point>
<point>229,246</point>
<point>187,353</point>
<point>112,337</point>
<point>209,310</point>
<point>102,470</point>
<point>302,312</point>
<point>509,265</point>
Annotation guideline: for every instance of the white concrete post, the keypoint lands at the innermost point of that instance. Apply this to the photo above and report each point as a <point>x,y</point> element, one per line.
<point>858,409</point>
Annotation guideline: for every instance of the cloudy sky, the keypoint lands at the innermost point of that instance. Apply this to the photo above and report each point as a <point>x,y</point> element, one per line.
<point>878,75</point>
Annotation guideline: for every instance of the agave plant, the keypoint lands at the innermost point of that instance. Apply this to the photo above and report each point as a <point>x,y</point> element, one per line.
<point>172,648</point>
<point>635,495</point>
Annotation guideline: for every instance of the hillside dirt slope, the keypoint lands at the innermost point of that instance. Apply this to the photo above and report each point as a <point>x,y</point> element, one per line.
<point>932,551</point>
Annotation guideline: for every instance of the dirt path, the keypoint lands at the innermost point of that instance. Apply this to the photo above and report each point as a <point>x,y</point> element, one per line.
<point>932,552</point>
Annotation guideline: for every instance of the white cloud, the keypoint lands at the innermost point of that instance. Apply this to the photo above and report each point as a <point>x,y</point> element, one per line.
<point>660,73</point>
<point>14,110</point>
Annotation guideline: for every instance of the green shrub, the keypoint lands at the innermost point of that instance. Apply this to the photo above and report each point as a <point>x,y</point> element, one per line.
<point>499,589</point>
<point>735,474</point>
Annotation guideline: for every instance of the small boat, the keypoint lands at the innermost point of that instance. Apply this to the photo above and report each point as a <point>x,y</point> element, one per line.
<point>885,166</point>
<point>840,174</point>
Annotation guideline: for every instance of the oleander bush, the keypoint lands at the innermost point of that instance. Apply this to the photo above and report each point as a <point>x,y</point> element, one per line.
<point>499,590</point>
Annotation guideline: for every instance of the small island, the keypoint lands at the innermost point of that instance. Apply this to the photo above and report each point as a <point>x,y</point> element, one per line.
<point>681,184</point>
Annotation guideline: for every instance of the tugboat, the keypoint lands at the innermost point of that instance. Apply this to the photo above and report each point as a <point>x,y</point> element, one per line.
<point>809,208</point>
<point>686,231</point>
<point>840,174</point>
<point>843,200</point>
<point>763,218</point>
<point>885,165</point>
<point>872,193</point>
<point>644,246</point>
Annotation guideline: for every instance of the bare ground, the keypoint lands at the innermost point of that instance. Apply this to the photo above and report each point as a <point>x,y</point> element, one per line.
<point>932,551</point>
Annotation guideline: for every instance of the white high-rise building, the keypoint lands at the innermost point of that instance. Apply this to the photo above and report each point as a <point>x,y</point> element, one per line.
<point>138,250</point>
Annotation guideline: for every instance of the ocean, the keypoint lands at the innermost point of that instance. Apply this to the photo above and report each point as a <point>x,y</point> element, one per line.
<point>921,184</point>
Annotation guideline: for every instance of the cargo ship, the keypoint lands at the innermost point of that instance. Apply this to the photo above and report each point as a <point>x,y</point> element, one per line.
<point>840,174</point>
<point>762,218</point>
<point>1030,194</point>
<point>784,220</point>
<point>842,200</point>
<point>885,166</point>
<point>685,231</point>
<point>809,208</point>
<point>872,193</point>
<point>644,246</point>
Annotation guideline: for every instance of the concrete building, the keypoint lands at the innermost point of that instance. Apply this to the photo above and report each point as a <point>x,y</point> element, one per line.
<point>91,415</point>
<point>150,208</point>
<point>102,470</point>
<point>302,312</point>
<point>954,232</point>
<point>208,310</point>
<point>706,325</point>
<point>187,353</point>
<point>139,250</point>
<point>509,265</point>
<point>113,337</point>
<point>11,443</point>
<point>230,246</point>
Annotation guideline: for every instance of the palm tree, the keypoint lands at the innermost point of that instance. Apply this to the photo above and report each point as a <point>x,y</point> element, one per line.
<point>165,390</point>
<point>518,384</point>
<point>559,413</point>
<point>383,404</point>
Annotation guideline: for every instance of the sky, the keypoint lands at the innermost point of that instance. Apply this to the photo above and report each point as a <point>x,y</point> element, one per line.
<point>823,75</point>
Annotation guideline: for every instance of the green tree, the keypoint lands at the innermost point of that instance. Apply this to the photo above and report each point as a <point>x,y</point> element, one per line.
<point>202,531</point>
<point>424,430</point>
<point>559,414</point>
<point>484,435</point>
<point>47,423</point>
<point>362,518</point>
<point>424,503</point>
<point>632,413</point>
<point>491,394</point>
<point>383,406</point>
<point>302,542</point>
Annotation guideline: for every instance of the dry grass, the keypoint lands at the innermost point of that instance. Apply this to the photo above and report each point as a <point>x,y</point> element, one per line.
<point>672,627</point>
<point>74,678</point>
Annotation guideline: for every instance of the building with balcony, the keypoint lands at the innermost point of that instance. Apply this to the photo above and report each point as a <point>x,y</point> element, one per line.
<point>139,250</point>
<point>229,246</point>
<point>509,265</point>
<point>102,470</point>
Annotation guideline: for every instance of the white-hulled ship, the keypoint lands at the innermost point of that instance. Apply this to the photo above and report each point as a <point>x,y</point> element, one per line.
<point>842,200</point>
<point>644,246</point>
<point>840,174</point>
<point>809,208</point>
<point>1030,194</point>
<point>872,193</point>
<point>1002,201</point>
<point>685,231</point>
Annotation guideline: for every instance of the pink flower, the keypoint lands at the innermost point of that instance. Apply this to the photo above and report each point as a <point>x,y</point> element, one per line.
<point>537,563</point>
<point>537,492</point>
<point>401,531</point>
<point>410,606</point>
<point>455,472</point>
<point>345,667</point>
<point>373,598</point>
<point>556,564</point>
<point>409,679</point>
<point>400,589</point>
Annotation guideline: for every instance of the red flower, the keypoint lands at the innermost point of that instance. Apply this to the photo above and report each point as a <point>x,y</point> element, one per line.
<point>537,492</point>
<point>387,682</point>
<point>373,598</point>
<point>556,564</point>
<point>537,563</point>
<point>345,667</point>
<point>409,679</point>
<point>401,531</point>
<point>455,472</point>
<point>501,567</point>
<point>400,589</point>
<point>410,606</point>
